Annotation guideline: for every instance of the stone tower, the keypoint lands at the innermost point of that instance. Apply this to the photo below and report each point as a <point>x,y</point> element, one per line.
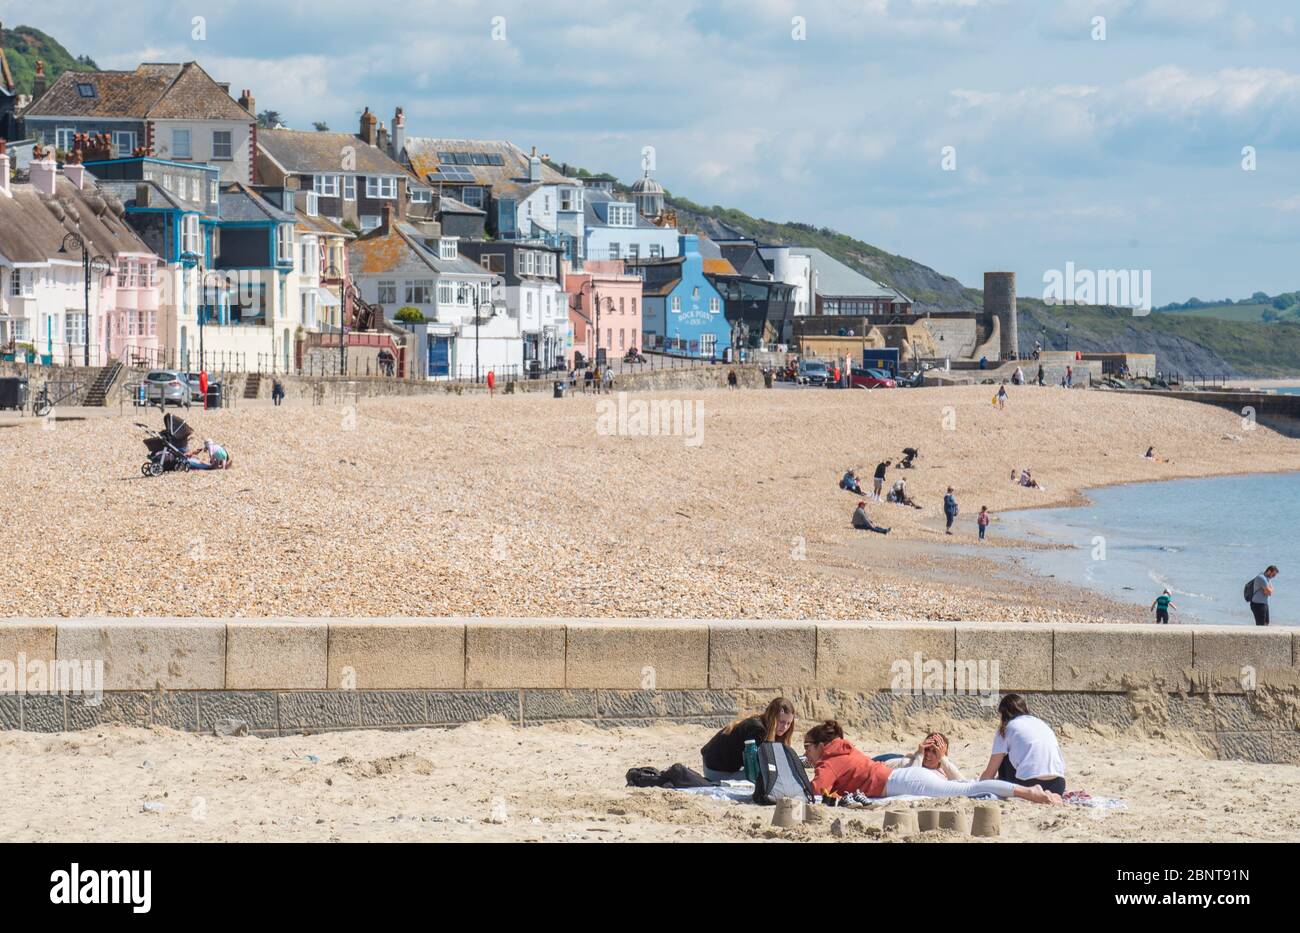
<point>1000,302</point>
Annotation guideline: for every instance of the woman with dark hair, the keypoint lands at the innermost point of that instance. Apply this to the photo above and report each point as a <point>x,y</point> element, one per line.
<point>1025,750</point>
<point>840,769</point>
<point>724,755</point>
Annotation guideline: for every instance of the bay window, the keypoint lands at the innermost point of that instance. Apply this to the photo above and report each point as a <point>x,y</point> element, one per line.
<point>381,186</point>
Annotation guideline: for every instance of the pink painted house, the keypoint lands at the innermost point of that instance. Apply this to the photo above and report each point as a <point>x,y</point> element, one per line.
<point>603,283</point>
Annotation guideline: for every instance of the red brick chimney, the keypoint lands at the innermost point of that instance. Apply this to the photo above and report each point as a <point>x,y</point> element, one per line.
<point>368,131</point>
<point>38,82</point>
<point>247,101</point>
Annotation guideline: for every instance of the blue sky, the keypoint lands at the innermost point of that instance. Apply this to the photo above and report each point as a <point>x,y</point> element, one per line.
<point>1120,153</point>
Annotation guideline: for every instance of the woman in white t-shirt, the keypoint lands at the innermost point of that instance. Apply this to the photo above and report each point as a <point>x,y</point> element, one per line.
<point>1025,750</point>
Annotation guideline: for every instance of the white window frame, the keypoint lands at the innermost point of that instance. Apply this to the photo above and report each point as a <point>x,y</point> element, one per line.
<point>633,252</point>
<point>656,251</point>
<point>325,186</point>
<point>446,293</point>
<point>74,325</point>
<point>214,190</point>
<point>421,196</point>
<point>419,285</point>
<point>614,250</point>
<point>381,187</point>
<point>390,287</point>
<point>312,207</point>
<point>715,306</point>
<point>229,146</point>
<point>284,243</point>
<point>185,152</point>
<point>349,187</point>
<point>447,248</point>
<point>677,304</point>
<point>191,236</point>
<point>120,151</point>
<point>65,134</point>
<point>370,222</point>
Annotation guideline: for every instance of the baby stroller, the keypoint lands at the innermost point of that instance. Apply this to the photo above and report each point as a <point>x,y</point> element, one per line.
<point>909,457</point>
<point>167,449</point>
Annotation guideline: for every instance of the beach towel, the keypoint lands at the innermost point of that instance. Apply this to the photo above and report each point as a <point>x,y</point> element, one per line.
<point>1083,799</point>
<point>733,791</point>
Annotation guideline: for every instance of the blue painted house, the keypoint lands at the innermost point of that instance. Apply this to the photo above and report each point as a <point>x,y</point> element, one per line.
<point>682,312</point>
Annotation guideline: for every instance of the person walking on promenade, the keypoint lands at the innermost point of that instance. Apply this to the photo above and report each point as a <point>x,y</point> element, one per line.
<point>1164,602</point>
<point>878,481</point>
<point>1261,588</point>
<point>949,509</point>
<point>609,380</point>
<point>277,391</point>
<point>983,520</point>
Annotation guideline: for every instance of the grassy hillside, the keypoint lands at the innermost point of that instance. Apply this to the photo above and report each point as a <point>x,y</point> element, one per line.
<point>24,45</point>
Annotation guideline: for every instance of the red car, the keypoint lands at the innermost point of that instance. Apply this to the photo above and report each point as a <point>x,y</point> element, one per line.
<point>871,379</point>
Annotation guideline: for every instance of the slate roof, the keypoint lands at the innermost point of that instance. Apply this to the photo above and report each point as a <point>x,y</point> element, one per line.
<point>402,249</point>
<point>126,190</point>
<point>835,278</point>
<point>241,203</point>
<point>304,152</point>
<point>150,92</point>
<point>593,196</point>
<point>31,232</point>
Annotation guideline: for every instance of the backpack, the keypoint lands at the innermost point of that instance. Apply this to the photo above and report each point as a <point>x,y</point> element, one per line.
<point>780,774</point>
<point>1249,591</point>
<point>643,777</point>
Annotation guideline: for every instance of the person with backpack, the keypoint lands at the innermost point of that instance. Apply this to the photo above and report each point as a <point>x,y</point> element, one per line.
<point>724,754</point>
<point>1025,750</point>
<point>1164,602</point>
<point>949,510</point>
<point>839,770</point>
<point>1257,593</point>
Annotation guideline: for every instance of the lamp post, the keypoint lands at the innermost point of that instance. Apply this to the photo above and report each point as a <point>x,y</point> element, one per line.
<point>99,264</point>
<point>347,291</point>
<point>224,281</point>
<point>475,290</point>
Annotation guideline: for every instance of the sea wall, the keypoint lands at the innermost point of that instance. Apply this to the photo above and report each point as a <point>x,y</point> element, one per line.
<point>1233,688</point>
<point>1278,411</point>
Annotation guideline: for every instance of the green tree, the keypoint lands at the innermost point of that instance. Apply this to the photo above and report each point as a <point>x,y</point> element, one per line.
<point>268,119</point>
<point>320,126</point>
<point>409,315</point>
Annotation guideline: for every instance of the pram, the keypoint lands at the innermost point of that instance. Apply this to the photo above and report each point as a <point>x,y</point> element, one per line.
<point>167,450</point>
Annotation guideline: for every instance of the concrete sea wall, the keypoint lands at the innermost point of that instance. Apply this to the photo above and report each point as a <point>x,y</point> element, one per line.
<point>1234,688</point>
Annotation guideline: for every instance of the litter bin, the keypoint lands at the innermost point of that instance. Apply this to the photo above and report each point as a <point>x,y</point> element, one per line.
<point>214,395</point>
<point>13,392</point>
<point>559,388</point>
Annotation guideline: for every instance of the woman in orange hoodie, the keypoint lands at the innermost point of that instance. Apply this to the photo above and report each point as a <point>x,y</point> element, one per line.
<point>840,769</point>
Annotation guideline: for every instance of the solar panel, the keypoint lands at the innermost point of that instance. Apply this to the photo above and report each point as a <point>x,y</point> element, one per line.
<point>495,160</point>
<point>479,158</point>
<point>463,158</point>
<point>446,157</point>
<point>453,173</point>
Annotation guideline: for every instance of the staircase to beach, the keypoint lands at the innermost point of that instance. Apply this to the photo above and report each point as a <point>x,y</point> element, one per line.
<point>97,394</point>
<point>252,385</point>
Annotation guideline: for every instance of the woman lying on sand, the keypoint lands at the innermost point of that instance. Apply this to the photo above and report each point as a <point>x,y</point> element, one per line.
<point>932,753</point>
<point>1025,750</point>
<point>840,769</point>
<point>724,755</point>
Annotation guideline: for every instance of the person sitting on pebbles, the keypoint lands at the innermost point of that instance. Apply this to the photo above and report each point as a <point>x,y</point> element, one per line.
<point>861,522</point>
<point>840,769</point>
<point>218,457</point>
<point>898,494</point>
<point>851,483</point>
<point>1027,480</point>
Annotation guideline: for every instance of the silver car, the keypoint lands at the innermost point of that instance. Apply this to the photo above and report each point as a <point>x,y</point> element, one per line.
<point>167,387</point>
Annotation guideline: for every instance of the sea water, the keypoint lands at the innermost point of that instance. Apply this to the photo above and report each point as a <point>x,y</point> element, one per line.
<point>1201,538</point>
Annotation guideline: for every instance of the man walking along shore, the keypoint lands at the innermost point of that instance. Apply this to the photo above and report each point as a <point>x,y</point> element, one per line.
<point>1261,589</point>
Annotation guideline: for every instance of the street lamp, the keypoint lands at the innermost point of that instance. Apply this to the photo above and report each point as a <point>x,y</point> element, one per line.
<point>347,291</point>
<point>224,281</point>
<point>99,264</point>
<point>474,293</point>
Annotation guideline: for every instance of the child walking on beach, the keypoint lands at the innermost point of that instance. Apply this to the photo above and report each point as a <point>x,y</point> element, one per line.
<point>1164,602</point>
<point>983,520</point>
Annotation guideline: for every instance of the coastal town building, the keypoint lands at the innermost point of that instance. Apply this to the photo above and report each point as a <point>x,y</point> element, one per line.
<point>43,310</point>
<point>616,230</point>
<point>352,177</point>
<point>530,271</point>
<point>603,284</point>
<point>682,311</point>
<point>467,328</point>
<point>173,111</point>
<point>523,197</point>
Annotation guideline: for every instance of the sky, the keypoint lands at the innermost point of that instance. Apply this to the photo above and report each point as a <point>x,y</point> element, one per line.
<point>969,135</point>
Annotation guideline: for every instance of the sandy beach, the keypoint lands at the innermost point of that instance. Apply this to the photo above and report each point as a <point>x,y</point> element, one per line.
<point>436,785</point>
<point>517,505</point>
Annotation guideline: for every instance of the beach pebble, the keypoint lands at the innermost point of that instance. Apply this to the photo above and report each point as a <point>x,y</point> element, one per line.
<point>837,828</point>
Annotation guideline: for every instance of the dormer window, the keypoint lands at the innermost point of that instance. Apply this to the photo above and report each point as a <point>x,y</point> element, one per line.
<point>621,215</point>
<point>86,90</point>
<point>447,248</point>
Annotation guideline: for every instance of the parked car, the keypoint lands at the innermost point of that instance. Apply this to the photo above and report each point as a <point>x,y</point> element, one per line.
<point>871,379</point>
<point>813,372</point>
<point>168,387</point>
